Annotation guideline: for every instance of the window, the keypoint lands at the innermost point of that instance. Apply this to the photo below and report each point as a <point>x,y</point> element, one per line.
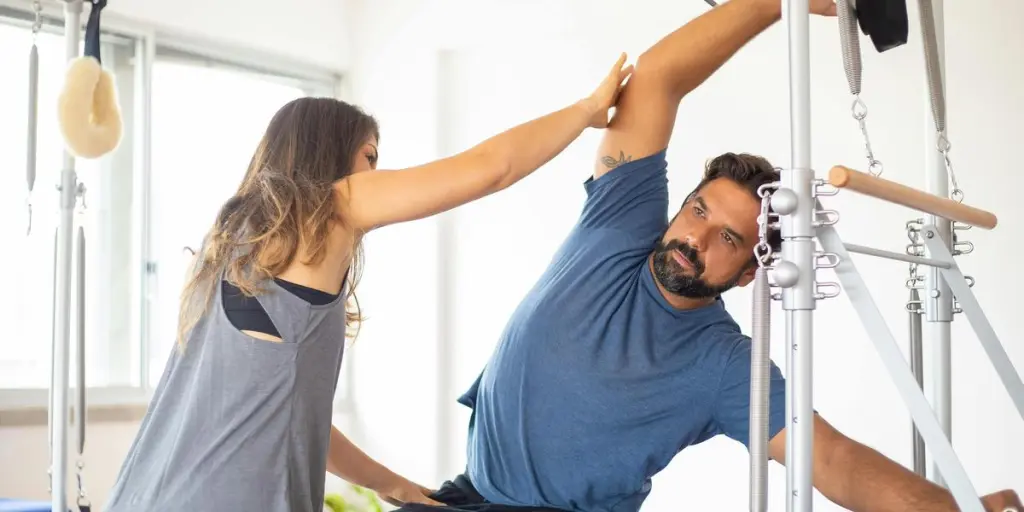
<point>26,306</point>
<point>206,124</point>
<point>193,114</point>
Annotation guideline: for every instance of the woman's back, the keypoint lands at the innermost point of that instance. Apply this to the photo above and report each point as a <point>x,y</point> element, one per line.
<point>240,423</point>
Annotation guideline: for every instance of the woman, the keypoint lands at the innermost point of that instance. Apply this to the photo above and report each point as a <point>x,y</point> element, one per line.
<point>241,419</point>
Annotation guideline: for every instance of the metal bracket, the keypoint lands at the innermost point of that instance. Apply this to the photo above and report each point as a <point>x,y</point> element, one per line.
<point>979,322</point>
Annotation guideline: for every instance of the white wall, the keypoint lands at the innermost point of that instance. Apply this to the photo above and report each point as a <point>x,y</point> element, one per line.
<point>489,65</point>
<point>309,31</point>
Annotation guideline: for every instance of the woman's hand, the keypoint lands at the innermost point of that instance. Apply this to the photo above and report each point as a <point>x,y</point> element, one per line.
<point>607,94</point>
<point>403,491</point>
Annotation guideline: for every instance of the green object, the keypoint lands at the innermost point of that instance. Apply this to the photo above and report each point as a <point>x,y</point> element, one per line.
<point>335,502</point>
<point>371,497</point>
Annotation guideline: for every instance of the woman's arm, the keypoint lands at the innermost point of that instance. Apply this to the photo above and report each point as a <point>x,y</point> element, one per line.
<point>346,461</point>
<point>372,199</point>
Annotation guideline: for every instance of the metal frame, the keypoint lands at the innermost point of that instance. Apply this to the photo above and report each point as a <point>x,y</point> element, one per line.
<point>937,300</point>
<point>889,350</point>
<point>62,313</point>
<point>798,250</point>
<point>802,219</point>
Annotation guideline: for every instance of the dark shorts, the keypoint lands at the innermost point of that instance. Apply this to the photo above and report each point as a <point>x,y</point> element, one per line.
<point>459,495</point>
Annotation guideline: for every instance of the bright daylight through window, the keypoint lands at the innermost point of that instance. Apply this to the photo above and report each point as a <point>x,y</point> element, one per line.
<point>205,118</point>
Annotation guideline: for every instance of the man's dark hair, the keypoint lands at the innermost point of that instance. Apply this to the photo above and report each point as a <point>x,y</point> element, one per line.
<point>749,171</point>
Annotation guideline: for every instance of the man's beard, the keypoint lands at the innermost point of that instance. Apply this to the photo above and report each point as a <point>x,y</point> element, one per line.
<point>674,278</point>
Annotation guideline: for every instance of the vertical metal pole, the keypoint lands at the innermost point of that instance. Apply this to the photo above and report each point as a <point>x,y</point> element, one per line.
<point>80,415</point>
<point>145,53</point>
<point>62,328</point>
<point>33,118</point>
<point>447,224</point>
<point>798,248</point>
<point>759,388</point>
<point>917,368</point>
<point>938,299</point>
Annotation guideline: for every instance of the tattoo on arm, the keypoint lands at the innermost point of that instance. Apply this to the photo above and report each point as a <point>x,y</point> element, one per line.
<point>611,163</point>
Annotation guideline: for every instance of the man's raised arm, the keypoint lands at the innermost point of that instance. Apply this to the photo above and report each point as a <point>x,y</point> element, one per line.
<point>676,65</point>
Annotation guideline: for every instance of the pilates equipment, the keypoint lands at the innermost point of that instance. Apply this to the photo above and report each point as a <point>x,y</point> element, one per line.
<point>884,21</point>
<point>800,216</point>
<point>90,122</point>
<point>88,111</point>
<point>33,108</point>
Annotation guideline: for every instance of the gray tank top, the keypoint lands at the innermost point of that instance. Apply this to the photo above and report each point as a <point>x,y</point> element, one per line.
<point>238,423</point>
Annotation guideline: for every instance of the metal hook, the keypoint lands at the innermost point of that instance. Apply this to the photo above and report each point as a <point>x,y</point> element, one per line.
<point>831,217</point>
<point>832,260</point>
<point>823,188</point>
<point>958,251</point>
<point>826,286</point>
<point>915,249</point>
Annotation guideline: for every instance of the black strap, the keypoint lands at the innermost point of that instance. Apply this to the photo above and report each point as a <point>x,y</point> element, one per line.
<point>92,30</point>
<point>885,21</point>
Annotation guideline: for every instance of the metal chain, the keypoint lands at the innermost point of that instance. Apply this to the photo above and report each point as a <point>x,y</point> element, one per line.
<point>37,24</point>
<point>763,249</point>
<point>80,194</point>
<point>957,194</point>
<point>83,499</point>
<point>914,248</point>
<point>860,112</point>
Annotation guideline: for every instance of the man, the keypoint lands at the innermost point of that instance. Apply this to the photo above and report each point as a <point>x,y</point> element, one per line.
<point>622,354</point>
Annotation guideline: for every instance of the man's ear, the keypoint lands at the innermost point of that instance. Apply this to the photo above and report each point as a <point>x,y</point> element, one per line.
<point>747,276</point>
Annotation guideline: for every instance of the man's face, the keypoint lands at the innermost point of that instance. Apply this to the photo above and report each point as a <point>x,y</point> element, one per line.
<point>709,246</point>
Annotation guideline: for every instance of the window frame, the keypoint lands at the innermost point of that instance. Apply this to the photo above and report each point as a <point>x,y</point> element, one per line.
<point>151,44</point>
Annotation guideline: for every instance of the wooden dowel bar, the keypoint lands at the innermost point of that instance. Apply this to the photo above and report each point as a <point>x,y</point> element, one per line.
<point>880,188</point>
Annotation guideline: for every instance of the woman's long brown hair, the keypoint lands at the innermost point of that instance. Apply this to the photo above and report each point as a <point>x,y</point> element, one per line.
<point>285,203</point>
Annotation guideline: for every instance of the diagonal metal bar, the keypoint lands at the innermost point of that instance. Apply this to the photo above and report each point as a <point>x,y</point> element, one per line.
<point>976,316</point>
<point>913,397</point>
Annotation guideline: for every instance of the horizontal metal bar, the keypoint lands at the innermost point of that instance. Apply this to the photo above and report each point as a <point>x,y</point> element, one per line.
<point>871,251</point>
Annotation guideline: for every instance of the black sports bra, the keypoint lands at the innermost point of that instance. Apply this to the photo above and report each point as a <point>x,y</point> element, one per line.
<point>246,313</point>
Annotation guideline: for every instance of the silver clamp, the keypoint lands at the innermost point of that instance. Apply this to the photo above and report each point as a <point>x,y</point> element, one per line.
<point>764,255</point>
<point>916,247</point>
<point>763,250</point>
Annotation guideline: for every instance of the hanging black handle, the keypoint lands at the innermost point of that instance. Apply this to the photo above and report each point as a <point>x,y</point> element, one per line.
<point>92,30</point>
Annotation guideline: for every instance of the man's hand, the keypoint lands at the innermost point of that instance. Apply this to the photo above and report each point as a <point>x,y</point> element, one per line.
<point>1003,501</point>
<point>677,64</point>
<point>403,491</point>
<point>607,94</point>
<point>823,7</point>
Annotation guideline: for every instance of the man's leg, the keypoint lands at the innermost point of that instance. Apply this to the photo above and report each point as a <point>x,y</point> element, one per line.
<point>676,65</point>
